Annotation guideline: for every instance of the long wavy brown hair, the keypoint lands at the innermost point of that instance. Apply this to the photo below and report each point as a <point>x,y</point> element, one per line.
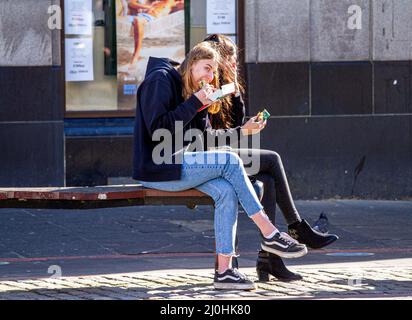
<point>202,51</point>
<point>226,49</point>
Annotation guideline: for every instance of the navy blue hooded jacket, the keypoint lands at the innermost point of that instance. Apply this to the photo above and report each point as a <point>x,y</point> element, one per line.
<point>159,105</point>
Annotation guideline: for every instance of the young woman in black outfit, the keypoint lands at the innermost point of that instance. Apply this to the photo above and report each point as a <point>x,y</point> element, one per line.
<point>271,173</point>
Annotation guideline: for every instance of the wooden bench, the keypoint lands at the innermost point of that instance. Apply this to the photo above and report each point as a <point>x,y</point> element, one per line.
<point>103,197</point>
<point>98,197</point>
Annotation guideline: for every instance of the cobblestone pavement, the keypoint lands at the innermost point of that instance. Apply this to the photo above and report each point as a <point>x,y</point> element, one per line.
<point>112,254</point>
<point>367,281</point>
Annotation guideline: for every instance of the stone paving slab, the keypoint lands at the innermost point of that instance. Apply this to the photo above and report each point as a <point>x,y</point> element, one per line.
<point>320,282</point>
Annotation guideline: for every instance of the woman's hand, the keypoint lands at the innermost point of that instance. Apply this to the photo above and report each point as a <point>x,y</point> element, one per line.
<point>252,126</point>
<point>203,93</point>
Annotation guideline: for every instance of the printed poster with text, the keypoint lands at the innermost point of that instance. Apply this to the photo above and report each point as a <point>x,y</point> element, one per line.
<point>145,28</point>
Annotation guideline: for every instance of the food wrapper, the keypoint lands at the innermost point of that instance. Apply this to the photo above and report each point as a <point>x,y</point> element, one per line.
<point>263,115</point>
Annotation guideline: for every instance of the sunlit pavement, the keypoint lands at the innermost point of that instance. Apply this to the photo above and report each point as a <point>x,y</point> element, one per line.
<point>115,254</point>
<point>390,279</point>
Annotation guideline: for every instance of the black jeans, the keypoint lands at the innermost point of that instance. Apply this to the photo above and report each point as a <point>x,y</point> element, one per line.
<point>276,187</point>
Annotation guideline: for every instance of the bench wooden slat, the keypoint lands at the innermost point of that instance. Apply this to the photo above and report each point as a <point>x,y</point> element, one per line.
<point>98,197</point>
<point>75,193</point>
<point>186,193</point>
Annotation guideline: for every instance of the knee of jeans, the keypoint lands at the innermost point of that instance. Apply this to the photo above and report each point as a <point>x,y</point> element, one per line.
<point>227,194</point>
<point>233,158</point>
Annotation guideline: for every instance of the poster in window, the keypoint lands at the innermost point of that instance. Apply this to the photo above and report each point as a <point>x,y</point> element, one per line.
<point>221,16</point>
<point>79,59</point>
<point>145,28</point>
<point>78,17</point>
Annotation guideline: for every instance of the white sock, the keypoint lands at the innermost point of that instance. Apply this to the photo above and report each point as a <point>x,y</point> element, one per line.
<point>223,271</point>
<point>272,234</point>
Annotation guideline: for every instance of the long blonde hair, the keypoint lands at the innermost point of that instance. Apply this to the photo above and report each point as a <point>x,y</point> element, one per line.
<point>226,48</point>
<point>202,51</point>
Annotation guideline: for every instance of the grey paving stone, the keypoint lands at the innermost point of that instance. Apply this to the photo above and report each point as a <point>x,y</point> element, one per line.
<point>332,39</point>
<point>25,39</point>
<point>392,30</point>
<point>280,31</point>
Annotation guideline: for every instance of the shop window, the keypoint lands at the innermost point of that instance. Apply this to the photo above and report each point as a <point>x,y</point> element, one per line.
<point>107,46</point>
<point>108,43</point>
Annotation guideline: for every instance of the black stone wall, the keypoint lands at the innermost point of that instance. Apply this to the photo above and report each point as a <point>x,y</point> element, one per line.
<point>92,161</point>
<point>31,126</point>
<point>343,129</point>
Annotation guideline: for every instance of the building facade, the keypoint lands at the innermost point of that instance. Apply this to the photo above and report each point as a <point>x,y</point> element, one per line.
<point>336,76</point>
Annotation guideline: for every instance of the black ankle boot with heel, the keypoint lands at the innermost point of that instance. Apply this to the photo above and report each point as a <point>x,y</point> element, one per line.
<point>304,233</point>
<point>269,264</point>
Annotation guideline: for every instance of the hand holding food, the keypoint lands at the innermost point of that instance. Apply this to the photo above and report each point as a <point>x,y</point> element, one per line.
<point>253,126</point>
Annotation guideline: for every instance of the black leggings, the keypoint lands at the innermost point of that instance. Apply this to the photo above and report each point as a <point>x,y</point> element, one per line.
<point>276,187</point>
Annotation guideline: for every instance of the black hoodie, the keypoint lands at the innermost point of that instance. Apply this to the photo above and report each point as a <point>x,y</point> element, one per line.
<point>159,105</point>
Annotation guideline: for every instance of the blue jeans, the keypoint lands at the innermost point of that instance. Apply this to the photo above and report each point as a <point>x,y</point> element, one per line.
<point>222,176</point>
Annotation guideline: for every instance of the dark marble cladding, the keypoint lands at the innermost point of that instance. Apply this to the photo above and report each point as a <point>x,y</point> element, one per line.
<point>32,154</point>
<point>326,157</point>
<point>341,88</point>
<point>31,93</point>
<point>282,88</point>
<point>91,160</point>
<point>393,86</point>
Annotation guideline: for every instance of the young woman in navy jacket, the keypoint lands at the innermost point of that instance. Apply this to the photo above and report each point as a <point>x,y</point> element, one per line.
<point>172,104</point>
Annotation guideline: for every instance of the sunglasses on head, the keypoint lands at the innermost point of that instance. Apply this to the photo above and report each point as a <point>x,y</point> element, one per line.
<point>213,37</point>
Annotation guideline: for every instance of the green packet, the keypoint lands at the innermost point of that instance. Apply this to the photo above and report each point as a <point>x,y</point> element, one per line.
<point>263,115</point>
